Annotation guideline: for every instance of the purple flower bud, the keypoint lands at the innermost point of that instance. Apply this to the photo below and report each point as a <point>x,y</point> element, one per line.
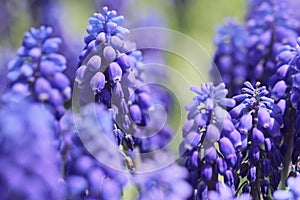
<point>282,105</point>
<point>244,139</point>
<point>254,154</point>
<point>248,90</point>
<point>60,81</point>
<point>55,98</point>
<point>192,140</point>
<point>274,128</point>
<point>296,79</point>
<point>278,90</point>
<point>228,127</point>
<point>188,127</point>
<point>227,102</point>
<point>266,167</point>
<point>105,97</point>
<point>94,63</point>
<point>47,68</point>
<point>109,54</point>
<point>228,178</point>
<point>235,138</point>
<point>227,149</point>
<point>98,82</point>
<point>26,70</point>
<point>263,117</point>
<point>212,133</point>
<point>114,72</point>
<point>294,99</point>
<point>220,113</point>
<point>202,191</point>
<point>29,42</point>
<point>145,100</point>
<point>221,165</point>
<point>241,97</point>
<point>245,123</point>
<point>276,158</point>
<point>35,53</point>
<point>237,111</point>
<point>94,175</point>
<point>195,160</point>
<point>264,185</point>
<point>210,154</point>
<point>51,45</point>
<point>80,74</point>
<point>116,42</point>
<point>201,119</point>
<point>42,88</point>
<point>269,145</point>
<point>285,56</point>
<point>257,136</point>
<point>252,174</point>
<point>282,71</point>
<point>76,185</point>
<point>206,172</point>
<point>209,104</point>
<point>125,62</point>
<point>136,114</point>
<point>83,164</point>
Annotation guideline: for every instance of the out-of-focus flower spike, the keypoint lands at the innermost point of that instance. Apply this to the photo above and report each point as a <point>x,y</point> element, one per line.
<point>41,67</point>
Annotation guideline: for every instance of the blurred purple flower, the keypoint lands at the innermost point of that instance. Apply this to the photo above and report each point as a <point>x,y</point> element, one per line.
<point>30,168</point>
<point>37,72</point>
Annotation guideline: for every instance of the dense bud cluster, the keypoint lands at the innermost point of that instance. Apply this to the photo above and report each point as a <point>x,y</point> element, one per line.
<point>210,139</point>
<point>37,72</point>
<point>258,120</point>
<point>110,73</point>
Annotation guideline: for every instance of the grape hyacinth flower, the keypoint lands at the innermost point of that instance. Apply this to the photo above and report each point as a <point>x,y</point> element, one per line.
<point>209,139</point>
<point>230,55</point>
<point>285,92</point>
<point>111,73</point>
<point>258,119</point>
<point>87,176</point>
<point>165,183</point>
<point>37,72</point>
<point>28,156</point>
<point>50,13</point>
<point>270,24</point>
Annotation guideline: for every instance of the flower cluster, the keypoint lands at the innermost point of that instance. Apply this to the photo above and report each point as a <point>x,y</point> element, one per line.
<point>285,91</point>
<point>111,73</point>
<point>85,176</point>
<point>37,72</point>
<point>25,156</point>
<point>270,24</point>
<point>267,121</point>
<point>248,51</point>
<point>230,56</point>
<point>258,119</point>
<point>165,183</point>
<point>209,130</point>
